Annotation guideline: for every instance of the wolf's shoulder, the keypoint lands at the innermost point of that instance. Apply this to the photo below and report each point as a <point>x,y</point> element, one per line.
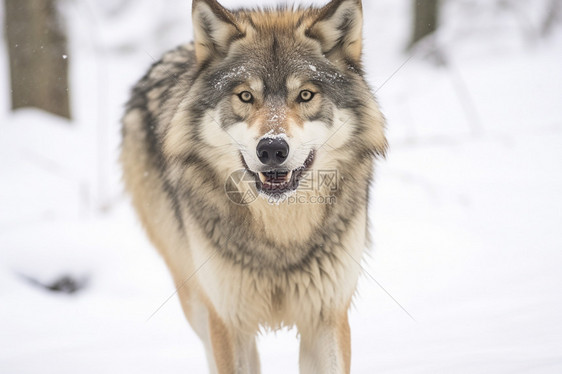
<point>175,66</point>
<point>181,58</point>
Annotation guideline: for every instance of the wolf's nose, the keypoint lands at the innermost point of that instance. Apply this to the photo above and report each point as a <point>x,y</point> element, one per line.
<point>272,151</point>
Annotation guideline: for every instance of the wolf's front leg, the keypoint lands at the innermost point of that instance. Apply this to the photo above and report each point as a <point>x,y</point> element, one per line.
<point>326,347</point>
<point>228,350</point>
<point>233,352</point>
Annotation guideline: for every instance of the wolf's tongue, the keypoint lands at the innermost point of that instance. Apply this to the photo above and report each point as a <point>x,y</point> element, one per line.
<point>276,177</point>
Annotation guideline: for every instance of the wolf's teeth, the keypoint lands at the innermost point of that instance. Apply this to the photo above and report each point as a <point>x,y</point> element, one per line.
<point>289,176</point>
<point>263,179</point>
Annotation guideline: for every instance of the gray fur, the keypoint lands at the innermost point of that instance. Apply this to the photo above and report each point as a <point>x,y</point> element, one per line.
<point>174,101</point>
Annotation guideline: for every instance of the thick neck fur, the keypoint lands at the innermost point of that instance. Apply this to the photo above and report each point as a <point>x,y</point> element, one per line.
<point>261,235</point>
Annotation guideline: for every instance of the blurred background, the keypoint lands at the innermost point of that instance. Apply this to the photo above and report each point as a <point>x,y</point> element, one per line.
<point>464,275</point>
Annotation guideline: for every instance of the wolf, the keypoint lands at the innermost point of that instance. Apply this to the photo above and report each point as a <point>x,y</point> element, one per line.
<point>260,105</point>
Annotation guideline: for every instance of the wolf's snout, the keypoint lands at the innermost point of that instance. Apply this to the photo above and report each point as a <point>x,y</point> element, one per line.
<point>272,151</point>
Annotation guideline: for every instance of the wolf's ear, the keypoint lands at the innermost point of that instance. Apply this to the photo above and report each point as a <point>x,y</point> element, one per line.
<point>339,29</point>
<point>214,27</point>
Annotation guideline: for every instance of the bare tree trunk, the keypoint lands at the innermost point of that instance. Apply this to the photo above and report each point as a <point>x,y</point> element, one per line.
<point>554,15</point>
<point>38,56</point>
<point>426,15</point>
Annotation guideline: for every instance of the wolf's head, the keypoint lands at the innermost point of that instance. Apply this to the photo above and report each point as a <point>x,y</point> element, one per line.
<point>281,91</point>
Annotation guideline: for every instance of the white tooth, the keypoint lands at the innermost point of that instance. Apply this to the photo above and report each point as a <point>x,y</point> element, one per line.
<point>262,178</point>
<point>289,176</point>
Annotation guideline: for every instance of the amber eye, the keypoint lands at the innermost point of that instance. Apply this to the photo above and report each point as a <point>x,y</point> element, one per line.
<point>246,97</point>
<point>305,96</point>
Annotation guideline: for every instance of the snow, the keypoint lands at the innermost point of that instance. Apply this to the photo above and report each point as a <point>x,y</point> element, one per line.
<point>466,208</point>
<point>234,73</point>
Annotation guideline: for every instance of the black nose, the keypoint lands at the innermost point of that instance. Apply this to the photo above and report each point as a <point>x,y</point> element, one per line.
<point>272,151</point>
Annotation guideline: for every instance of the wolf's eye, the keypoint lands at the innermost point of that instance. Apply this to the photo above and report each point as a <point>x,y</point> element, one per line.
<point>305,96</point>
<point>246,97</point>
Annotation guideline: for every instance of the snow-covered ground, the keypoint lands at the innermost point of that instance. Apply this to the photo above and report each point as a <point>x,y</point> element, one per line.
<point>467,208</point>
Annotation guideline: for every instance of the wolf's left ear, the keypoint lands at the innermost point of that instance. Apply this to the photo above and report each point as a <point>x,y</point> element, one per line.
<point>339,29</point>
<point>214,27</point>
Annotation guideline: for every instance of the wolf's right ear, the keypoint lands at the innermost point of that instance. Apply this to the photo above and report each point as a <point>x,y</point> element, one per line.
<point>214,27</point>
<point>339,28</point>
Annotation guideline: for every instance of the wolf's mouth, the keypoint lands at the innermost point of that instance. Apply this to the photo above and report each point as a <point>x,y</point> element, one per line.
<point>277,182</point>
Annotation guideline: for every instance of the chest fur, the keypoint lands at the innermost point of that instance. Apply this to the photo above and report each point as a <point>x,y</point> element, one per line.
<point>258,297</point>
